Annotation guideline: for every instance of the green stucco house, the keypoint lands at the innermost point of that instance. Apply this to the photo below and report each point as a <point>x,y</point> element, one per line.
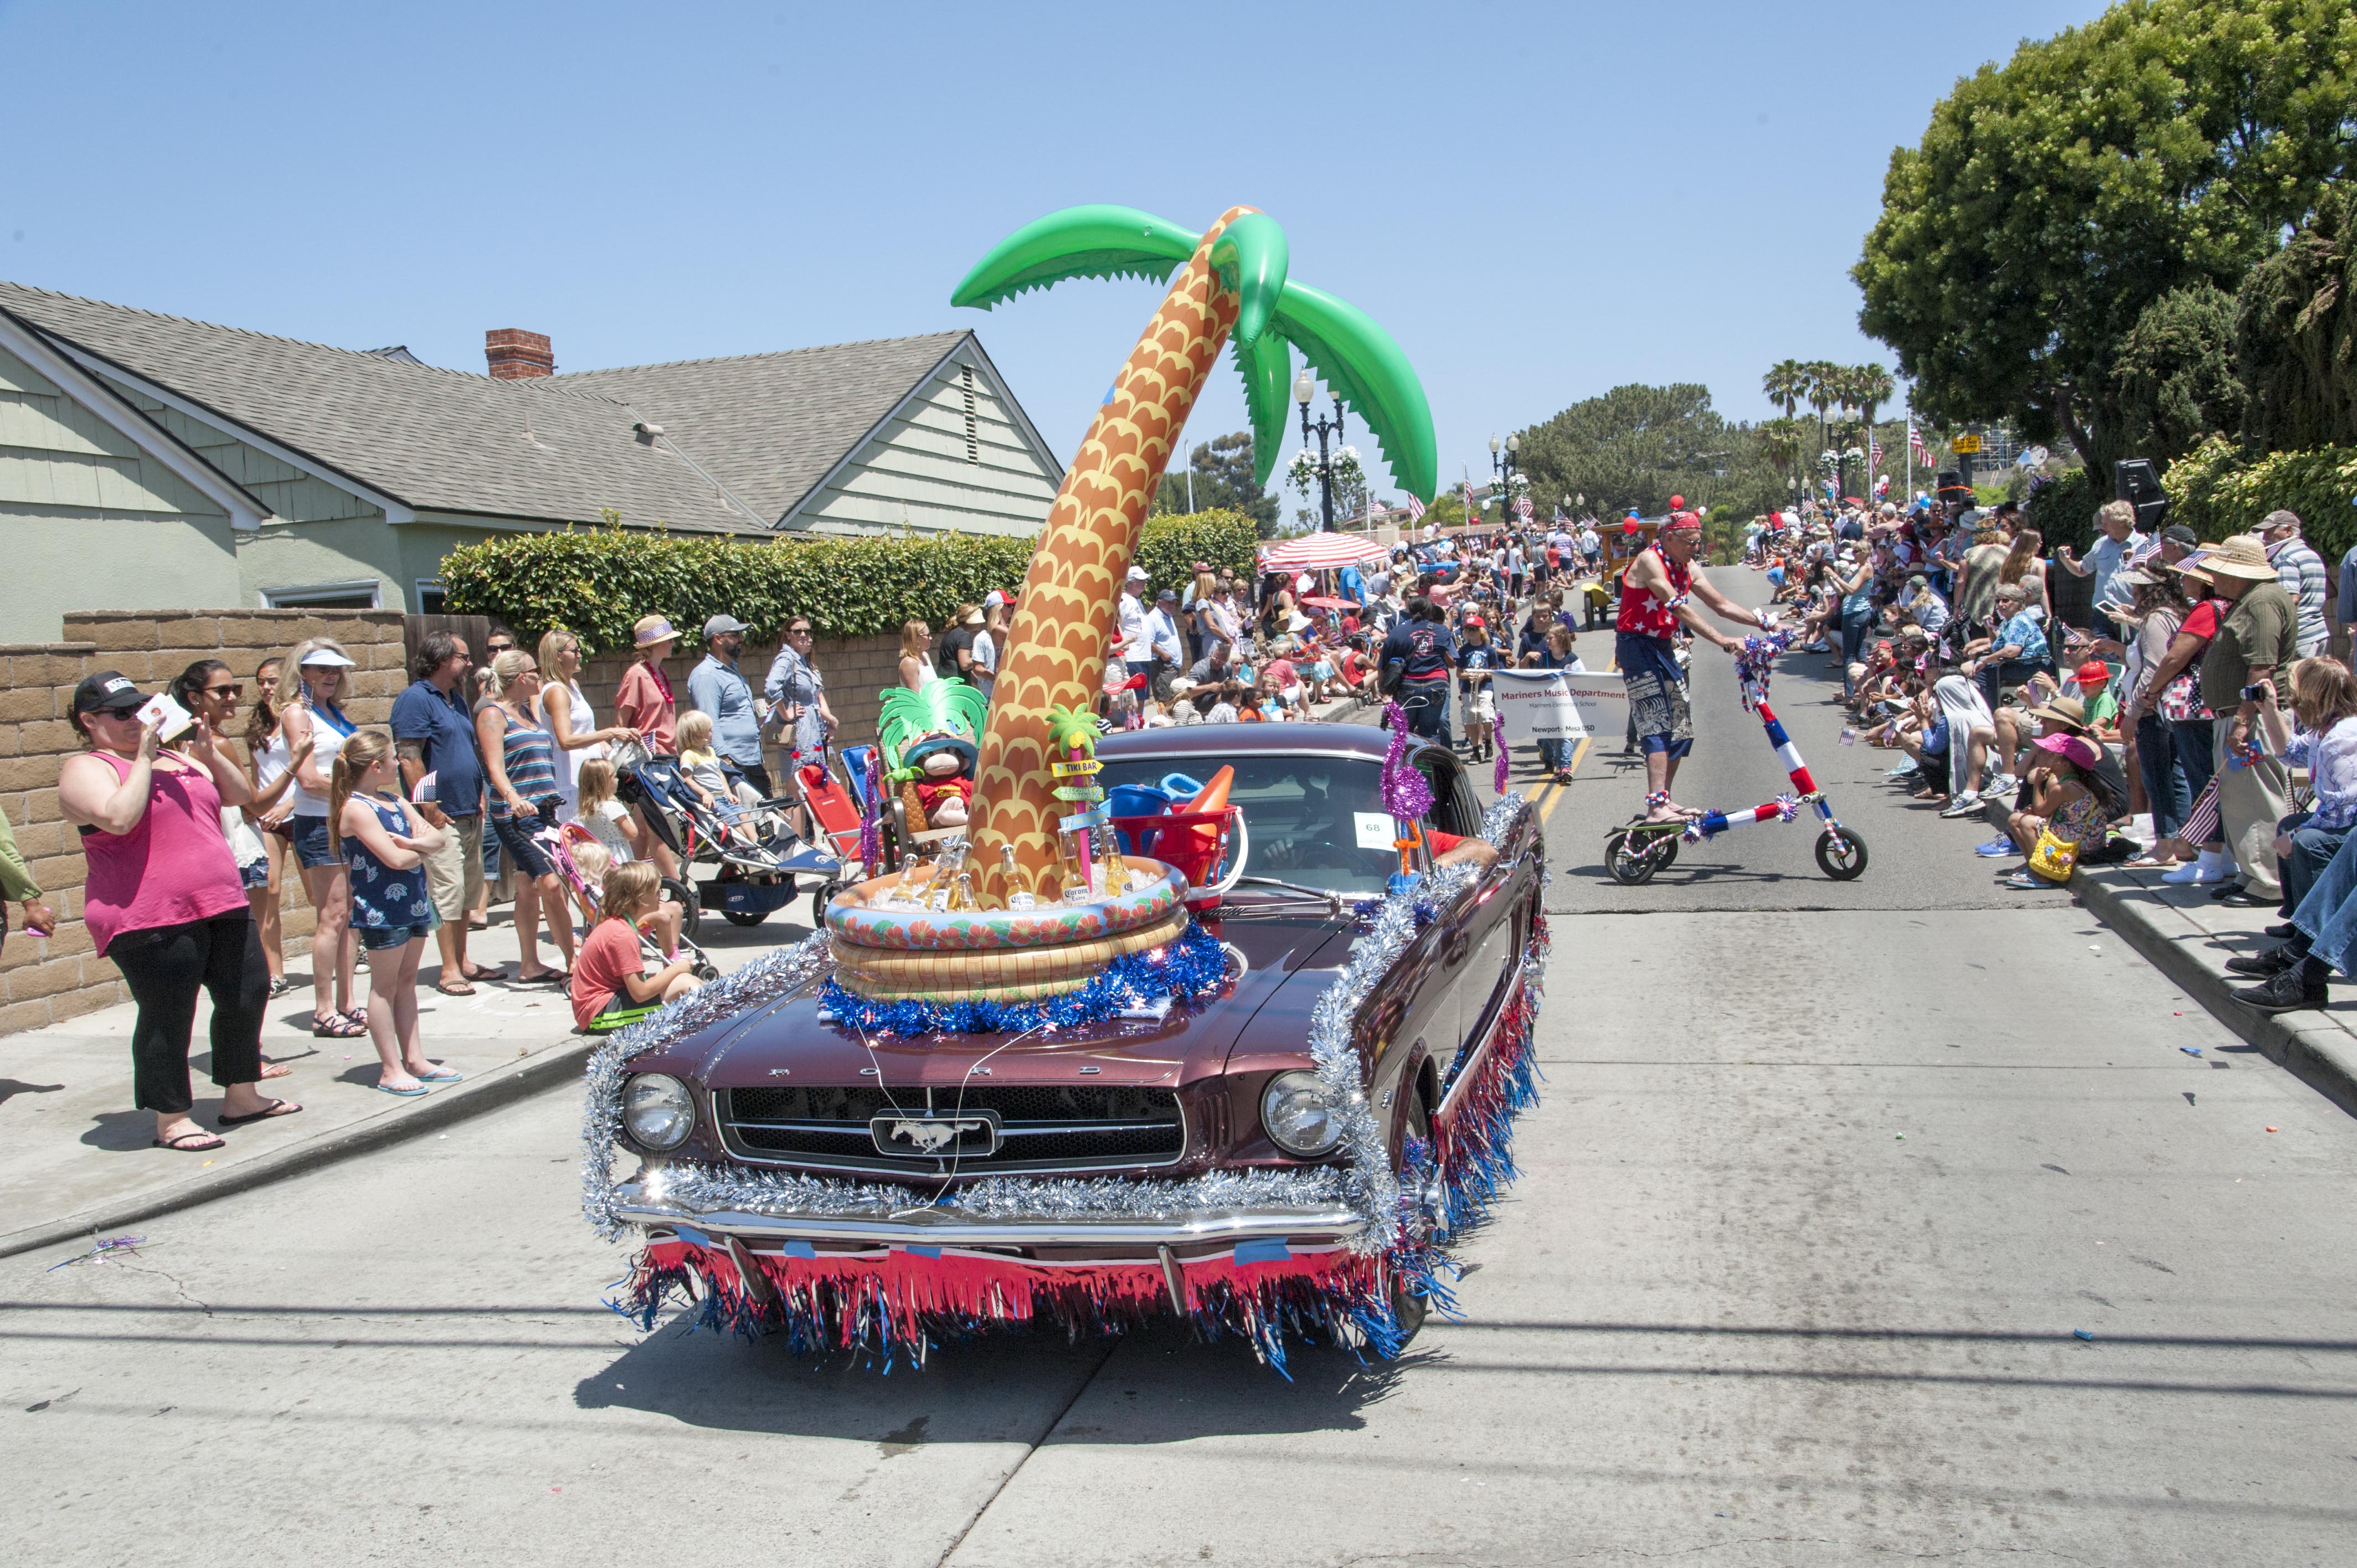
<point>149,462</point>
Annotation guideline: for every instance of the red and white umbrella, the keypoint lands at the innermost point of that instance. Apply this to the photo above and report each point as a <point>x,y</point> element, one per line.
<point>1320,551</point>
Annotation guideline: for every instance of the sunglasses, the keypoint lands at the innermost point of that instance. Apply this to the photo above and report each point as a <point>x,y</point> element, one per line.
<point>231,692</point>
<point>798,631</point>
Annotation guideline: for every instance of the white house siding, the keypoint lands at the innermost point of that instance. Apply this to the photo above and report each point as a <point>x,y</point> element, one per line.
<point>915,473</point>
<point>88,521</point>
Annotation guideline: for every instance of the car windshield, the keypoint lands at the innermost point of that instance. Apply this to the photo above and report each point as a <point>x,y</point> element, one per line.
<point>1315,821</point>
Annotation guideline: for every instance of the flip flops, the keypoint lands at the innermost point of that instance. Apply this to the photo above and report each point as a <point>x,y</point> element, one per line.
<point>437,1073</point>
<point>410,1093</point>
<point>274,1108</point>
<point>460,989</point>
<point>205,1142</point>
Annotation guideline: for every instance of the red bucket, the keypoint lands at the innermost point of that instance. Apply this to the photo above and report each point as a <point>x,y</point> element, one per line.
<point>1195,843</point>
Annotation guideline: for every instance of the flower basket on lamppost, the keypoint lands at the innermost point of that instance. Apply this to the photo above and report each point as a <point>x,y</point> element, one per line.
<point>1334,465</point>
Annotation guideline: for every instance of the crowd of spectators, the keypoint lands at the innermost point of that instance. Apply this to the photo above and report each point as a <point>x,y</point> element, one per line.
<point>2198,724</point>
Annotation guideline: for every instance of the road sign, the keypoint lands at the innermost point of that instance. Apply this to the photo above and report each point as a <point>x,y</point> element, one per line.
<point>1964,443</point>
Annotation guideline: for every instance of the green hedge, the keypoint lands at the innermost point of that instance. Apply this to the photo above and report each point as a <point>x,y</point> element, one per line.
<point>599,580</point>
<point>2215,491</point>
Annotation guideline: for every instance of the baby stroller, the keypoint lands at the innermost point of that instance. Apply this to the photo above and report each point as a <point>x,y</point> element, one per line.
<point>755,856</point>
<point>561,843</point>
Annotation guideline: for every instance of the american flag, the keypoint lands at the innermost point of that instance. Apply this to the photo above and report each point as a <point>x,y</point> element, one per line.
<point>1472,513</point>
<point>1414,510</point>
<point>1915,443</point>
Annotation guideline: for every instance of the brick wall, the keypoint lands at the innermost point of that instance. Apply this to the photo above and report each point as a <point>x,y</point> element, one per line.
<point>857,669</point>
<point>43,982</point>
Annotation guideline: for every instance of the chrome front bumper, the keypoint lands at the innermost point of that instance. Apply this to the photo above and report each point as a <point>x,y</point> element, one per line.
<point>1317,1226</point>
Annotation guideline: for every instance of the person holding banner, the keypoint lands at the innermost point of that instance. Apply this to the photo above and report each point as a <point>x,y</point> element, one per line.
<point>1656,595</point>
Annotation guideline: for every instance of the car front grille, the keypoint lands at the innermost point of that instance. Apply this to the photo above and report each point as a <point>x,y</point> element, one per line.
<point>1041,1127</point>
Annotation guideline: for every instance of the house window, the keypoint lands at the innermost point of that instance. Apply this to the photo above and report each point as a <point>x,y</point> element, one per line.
<point>973,430</point>
<point>430,600</point>
<point>357,596</point>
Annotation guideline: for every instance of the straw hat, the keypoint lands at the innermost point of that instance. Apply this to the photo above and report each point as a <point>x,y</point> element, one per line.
<point>651,629</point>
<point>2242,556</point>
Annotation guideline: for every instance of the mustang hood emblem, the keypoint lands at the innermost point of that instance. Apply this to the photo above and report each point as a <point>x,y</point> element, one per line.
<point>934,1135</point>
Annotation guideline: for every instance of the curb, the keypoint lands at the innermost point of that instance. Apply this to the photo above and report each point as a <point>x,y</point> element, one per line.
<point>502,1085</point>
<point>2316,1048</point>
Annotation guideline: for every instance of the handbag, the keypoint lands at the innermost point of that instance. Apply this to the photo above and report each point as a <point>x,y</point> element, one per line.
<point>2054,858</point>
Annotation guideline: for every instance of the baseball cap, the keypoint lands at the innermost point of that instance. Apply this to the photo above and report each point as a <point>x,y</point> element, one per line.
<point>992,598</point>
<point>1170,594</point>
<point>108,692</point>
<point>1475,620</point>
<point>2177,534</point>
<point>723,622</point>
<point>1137,573</point>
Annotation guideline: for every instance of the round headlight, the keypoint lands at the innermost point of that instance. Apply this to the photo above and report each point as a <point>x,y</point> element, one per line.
<point>657,1111</point>
<point>1298,1115</point>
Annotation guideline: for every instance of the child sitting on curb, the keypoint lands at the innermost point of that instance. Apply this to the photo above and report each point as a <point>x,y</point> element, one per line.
<point>610,986</point>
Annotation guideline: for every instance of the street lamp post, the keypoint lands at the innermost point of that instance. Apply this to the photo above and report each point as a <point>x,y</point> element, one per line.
<point>1304,389</point>
<point>1501,464</point>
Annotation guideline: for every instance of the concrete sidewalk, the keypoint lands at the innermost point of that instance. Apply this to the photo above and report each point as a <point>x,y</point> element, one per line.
<point>2188,937</point>
<point>77,1159</point>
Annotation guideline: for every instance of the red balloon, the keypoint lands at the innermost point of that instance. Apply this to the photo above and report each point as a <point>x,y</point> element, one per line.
<point>1628,525</point>
<point>1677,503</point>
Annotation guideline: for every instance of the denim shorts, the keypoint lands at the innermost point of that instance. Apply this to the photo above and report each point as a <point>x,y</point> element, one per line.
<point>311,850</point>
<point>376,938</point>
<point>256,875</point>
<point>514,834</point>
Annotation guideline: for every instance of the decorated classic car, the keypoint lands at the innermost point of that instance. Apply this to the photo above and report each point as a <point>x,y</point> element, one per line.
<point>1281,1144</point>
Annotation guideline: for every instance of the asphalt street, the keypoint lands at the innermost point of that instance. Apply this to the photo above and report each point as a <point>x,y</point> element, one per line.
<point>1825,1185</point>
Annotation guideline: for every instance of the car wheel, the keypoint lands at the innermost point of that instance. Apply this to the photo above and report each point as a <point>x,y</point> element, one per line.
<point>1407,1306</point>
<point>1842,858</point>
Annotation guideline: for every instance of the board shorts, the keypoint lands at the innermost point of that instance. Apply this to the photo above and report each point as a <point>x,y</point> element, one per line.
<point>1657,695</point>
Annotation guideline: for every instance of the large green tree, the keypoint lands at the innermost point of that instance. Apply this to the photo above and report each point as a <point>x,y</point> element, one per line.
<point>1638,445</point>
<point>2174,378</point>
<point>2054,198</point>
<point>2295,333</point>
<point>1222,472</point>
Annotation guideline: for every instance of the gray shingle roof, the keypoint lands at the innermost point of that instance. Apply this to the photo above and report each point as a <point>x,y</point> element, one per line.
<point>735,416</point>
<point>560,448</point>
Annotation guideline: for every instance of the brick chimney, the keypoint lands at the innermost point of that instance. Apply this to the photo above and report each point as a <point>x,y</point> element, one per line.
<point>516,355</point>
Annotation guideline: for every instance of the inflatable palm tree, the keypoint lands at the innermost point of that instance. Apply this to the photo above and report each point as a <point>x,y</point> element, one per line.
<point>1229,279</point>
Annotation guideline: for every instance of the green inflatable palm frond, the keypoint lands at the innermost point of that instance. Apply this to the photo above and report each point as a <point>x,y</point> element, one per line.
<point>1071,729</point>
<point>1344,346</point>
<point>1077,243</point>
<point>946,706</point>
<point>1360,360</point>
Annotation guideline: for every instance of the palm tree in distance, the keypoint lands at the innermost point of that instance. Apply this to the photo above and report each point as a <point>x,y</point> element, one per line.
<point>1821,374</point>
<point>1873,388</point>
<point>1785,385</point>
<point>1229,279</point>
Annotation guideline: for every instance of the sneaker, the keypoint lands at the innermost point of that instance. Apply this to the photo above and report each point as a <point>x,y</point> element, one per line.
<point>1967,804</point>
<point>1996,849</point>
<point>2274,960</point>
<point>2285,993</point>
<point>2004,784</point>
<point>2184,875</point>
<point>1902,770</point>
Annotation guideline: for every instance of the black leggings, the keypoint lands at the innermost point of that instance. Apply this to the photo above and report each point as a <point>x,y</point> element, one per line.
<point>165,966</point>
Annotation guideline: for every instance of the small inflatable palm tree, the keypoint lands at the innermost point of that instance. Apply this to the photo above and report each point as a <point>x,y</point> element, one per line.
<point>1230,281</point>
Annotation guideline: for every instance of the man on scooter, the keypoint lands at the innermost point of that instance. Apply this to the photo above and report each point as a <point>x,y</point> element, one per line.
<point>1658,594</point>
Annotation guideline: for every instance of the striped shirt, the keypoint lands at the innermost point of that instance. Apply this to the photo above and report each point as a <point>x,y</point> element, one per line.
<point>531,760</point>
<point>2301,572</point>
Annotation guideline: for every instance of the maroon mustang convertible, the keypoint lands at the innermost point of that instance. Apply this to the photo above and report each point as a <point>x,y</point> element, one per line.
<point>1286,1148</point>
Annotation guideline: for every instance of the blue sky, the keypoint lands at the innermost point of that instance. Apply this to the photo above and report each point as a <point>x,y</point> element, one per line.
<point>1539,201</point>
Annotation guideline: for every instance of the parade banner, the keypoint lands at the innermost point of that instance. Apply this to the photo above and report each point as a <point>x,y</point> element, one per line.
<point>1558,705</point>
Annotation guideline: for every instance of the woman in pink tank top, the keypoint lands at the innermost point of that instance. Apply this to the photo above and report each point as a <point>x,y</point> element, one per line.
<point>163,902</point>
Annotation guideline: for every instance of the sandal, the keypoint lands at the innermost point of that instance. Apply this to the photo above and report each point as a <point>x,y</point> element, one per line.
<point>181,1143</point>
<point>437,1073</point>
<point>275,1108</point>
<point>276,1070</point>
<point>279,986</point>
<point>460,989</point>
<point>546,977</point>
<point>337,1026</point>
<point>484,971</point>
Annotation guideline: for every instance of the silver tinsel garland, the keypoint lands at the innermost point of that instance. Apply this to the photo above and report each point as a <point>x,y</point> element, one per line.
<point>1364,1179</point>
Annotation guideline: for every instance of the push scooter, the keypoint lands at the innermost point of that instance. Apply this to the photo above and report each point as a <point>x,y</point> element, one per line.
<point>1635,850</point>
